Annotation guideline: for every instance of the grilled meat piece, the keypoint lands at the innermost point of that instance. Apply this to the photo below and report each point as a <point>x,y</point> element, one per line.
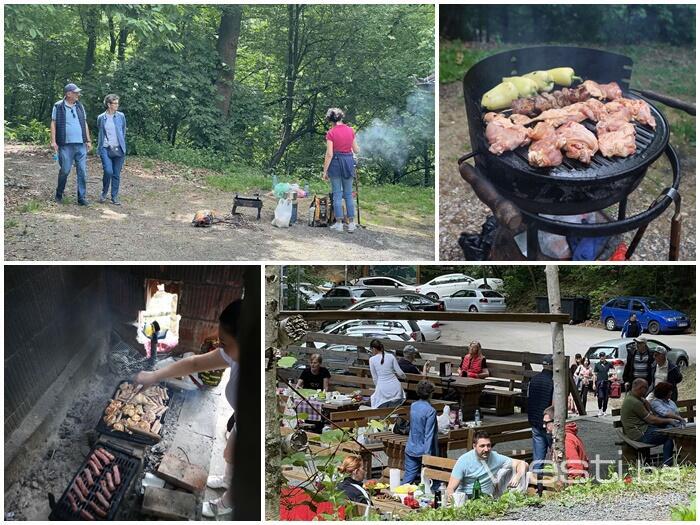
<point>581,144</point>
<point>610,91</point>
<point>504,135</point>
<point>533,106</point>
<point>638,110</point>
<point>524,106</point>
<point>616,138</point>
<point>546,144</point>
<point>573,113</point>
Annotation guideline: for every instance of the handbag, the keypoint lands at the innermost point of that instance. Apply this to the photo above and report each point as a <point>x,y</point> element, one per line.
<point>114,152</point>
<point>402,426</point>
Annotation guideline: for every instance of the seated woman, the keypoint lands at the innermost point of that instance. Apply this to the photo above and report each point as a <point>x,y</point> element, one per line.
<point>663,406</point>
<point>474,363</point>
<point>316,377</point>
<point>352,484</point>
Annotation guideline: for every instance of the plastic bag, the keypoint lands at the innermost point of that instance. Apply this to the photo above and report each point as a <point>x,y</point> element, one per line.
<point>283,213</point>
<point>280,189</point>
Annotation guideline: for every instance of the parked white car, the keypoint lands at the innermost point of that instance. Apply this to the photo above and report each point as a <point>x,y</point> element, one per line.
<point>446,285</point>
<point>430,329</point>
<point>384,285</point>
<point>420,331</point>
<point>476,301</point>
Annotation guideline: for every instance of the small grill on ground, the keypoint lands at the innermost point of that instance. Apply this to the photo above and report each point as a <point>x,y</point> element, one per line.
<point>247,202</point>
<point>519,193</point>
<point>128,468</point>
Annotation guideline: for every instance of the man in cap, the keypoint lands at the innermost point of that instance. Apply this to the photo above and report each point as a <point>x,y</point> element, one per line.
<point>70,139</point>
<point>407,362</point>
<point>666,371</point>
<point>540,392</point>
<point>640,364</point>
<point>601,370</point>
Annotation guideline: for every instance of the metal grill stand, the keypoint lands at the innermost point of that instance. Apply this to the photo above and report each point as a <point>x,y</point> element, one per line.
<point>515,219</point>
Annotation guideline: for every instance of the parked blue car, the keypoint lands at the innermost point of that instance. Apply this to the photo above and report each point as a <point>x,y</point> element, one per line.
<point>654,315</point>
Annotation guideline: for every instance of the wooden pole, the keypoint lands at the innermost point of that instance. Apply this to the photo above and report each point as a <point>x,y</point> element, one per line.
<point>560,371</point>
<point>273,439</point>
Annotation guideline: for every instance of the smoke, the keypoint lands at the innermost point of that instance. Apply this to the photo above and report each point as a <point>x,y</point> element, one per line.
<point>397,137</point>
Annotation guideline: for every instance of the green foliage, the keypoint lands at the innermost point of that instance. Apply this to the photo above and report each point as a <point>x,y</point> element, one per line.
<point>31,206</point>
<point>583,24</point>
<point>333,436</point>
<point>286,362</point>
<point>33,131</point>
<point>684,512</point>
<point>474,509</point>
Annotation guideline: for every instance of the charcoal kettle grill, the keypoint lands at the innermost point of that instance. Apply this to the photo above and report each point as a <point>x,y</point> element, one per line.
<point>519,194</point>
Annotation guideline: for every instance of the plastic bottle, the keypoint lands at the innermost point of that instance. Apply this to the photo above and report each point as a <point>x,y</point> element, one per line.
<point>460,418</point>
<point>443,492</point>
<point>306,189</point>
<point>477,418</point>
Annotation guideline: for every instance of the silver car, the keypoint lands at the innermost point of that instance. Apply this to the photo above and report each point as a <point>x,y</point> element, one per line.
<point>616,351</point>
<point>384,285</point>
<point>342,297</point>
<point>476,301</point>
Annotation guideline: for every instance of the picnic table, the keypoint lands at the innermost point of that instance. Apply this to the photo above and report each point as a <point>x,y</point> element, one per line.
<point>469,389</point>
<point>684,439</point>
<point>395,447</point>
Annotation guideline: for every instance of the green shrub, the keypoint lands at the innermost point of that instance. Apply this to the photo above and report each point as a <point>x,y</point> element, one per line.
<point>34,132</point>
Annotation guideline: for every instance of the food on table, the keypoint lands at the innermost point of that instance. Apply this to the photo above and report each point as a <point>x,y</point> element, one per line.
<point>564,76</point>
<point>580,144</point>
<point>543,79</point>
<point>545,150</point>
<point>383,496</point>
<point>526,86</point>
<point>500,97</point>
<point>405,489</point>
<point>411,502</point>
<point>136,407</point>
<point>503,134</point>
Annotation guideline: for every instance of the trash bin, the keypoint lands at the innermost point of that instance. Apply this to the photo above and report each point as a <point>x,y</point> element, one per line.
<point>578,308</point>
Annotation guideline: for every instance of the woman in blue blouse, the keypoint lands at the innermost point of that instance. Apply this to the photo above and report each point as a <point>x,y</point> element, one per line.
<point>111,146</point>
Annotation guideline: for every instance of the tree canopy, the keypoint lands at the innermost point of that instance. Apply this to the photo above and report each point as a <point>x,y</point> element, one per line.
<point>250,83</point>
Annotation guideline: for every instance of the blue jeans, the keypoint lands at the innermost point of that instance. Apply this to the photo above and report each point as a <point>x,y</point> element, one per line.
<point>602,390</point>
<point>652,437</point>
<point>342,189</point>
<point>412,466</point>
<point>111,169</point>
<point>540,444</point>
<point>67,155</point>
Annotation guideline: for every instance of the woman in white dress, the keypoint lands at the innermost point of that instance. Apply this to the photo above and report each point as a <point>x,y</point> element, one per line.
<point>386,373</point>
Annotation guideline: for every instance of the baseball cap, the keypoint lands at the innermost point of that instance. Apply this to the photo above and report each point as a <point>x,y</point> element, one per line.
<point>660,350</point>
<point>71,87</point>
<point>409,349</point>
<point>640,340</point>
<point>602,354</point>
<point>547,360</point>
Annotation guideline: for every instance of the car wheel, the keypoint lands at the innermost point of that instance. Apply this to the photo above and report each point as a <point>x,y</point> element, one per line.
<point>682,362</point>
<point>610,324</point>
<point>653,328</point>
<point>473,308</point>
<point>433,296</point>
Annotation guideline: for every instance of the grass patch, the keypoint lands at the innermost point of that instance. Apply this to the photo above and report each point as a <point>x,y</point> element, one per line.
<point>32,206</point>
<point>147,164</point>
<point>11,223</point>
<point>396,205</point>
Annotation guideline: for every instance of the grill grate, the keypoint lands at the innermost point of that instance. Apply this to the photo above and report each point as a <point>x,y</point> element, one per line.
<point>128,468</point>
<point>600,166</point>
<point>102,427</point>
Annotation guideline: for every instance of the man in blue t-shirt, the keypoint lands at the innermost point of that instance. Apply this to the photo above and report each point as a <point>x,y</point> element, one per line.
<point>70,139</point>
<point>495,472</point>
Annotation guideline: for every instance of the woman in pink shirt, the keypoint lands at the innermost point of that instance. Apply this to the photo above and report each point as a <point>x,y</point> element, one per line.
<point>339,167</point>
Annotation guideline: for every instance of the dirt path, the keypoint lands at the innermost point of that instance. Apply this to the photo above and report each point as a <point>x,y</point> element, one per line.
<point>155,221</point>
<point>461,210</point>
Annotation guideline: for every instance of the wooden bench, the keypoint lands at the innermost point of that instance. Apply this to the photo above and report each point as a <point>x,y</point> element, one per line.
<point>634,451</point>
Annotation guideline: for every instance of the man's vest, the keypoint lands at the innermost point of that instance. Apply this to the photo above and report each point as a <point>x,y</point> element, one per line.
<point>61,121</point>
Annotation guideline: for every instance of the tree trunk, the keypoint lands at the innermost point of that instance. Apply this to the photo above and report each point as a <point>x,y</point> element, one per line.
<point>90,20</point>
<point>227,47</point>
<point>273,440</point>
<point>112,36</point>
<point>293,17</point>
<point>121,45</point>
<point>560,371</point>
<point>246,484</point>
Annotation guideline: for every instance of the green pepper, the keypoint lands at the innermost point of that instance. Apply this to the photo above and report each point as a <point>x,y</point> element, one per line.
<point>544,80</point>
<point>526,86</point>
<point>500,97</point>
<point>563,76</point>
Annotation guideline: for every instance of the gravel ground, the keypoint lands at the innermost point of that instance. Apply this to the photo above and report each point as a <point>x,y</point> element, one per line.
<point>461,210</point>
<point>154,223</point>
<point>640,507</point>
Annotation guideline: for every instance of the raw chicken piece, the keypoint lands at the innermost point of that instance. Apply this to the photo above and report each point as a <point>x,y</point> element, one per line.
<point>597,109</point>
<point>503,135</point>
<point>609,91</point>
<point>573,113</point>
<point>545,149</point>
<point>639,110</point>
<point>580,144</point>
<point>616,139</point>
